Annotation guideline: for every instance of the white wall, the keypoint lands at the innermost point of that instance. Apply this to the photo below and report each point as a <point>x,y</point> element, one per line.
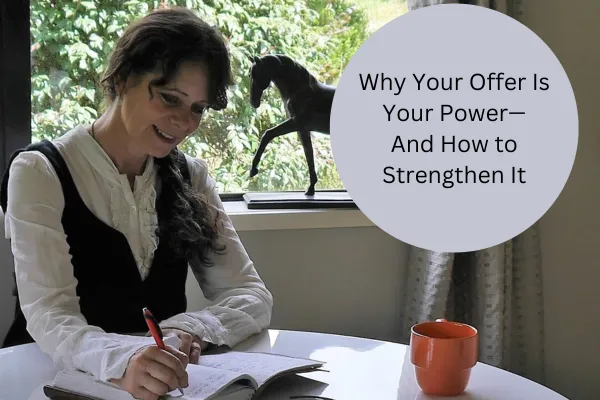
<point>571,228</point>
<point>346,281</point>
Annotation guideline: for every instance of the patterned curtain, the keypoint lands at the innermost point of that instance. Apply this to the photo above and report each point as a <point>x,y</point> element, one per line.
<point>498,290</point>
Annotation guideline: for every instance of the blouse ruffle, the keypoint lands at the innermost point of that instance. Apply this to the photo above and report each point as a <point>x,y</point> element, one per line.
<point>133,213</point>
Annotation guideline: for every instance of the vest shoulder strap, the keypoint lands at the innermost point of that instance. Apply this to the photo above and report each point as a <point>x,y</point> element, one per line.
<point>48,149</point>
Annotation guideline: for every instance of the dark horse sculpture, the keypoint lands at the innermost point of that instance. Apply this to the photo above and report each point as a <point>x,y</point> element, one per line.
<point>307,104</point>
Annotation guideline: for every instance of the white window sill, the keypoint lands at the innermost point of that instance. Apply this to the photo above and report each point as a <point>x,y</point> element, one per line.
<point>259,220</point>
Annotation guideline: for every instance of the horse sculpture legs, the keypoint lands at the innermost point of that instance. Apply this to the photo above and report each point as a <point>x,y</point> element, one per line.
<point>306,141</point>
<point>285,127</point>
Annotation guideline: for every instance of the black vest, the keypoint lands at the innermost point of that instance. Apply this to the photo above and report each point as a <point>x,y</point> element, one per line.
<point>110,289</point>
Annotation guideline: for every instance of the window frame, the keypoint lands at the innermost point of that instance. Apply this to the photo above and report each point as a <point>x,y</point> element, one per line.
<point>15,86</point>
<point>15,78</point>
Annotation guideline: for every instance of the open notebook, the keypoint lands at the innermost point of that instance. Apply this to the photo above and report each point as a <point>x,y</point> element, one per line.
<point>231,375</point>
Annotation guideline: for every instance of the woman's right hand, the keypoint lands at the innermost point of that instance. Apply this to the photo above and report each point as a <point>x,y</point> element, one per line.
<point>153,372</point>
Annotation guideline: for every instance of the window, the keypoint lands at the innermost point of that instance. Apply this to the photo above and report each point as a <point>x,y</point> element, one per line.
<point>70,41</point>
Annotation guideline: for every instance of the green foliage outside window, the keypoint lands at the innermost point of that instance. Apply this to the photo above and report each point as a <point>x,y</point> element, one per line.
<point>71,42</point>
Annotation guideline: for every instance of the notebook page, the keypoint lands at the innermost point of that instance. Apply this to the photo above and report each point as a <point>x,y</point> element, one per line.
<point>205,383</point>
<point>261,366</point>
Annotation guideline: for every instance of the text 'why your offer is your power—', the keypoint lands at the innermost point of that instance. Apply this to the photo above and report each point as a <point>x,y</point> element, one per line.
<point>445,113</point>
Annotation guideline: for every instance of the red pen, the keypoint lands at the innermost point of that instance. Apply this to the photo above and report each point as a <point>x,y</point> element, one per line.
<point>156,332</point>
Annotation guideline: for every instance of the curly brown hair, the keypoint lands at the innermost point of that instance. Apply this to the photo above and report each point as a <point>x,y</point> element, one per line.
<point>162,41</point>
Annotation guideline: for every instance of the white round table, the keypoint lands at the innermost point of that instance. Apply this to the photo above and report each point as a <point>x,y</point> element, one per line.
<point>358,368</point>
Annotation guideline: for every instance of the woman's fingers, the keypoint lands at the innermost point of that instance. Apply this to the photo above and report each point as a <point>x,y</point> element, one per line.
<point>195,352</point>
<point>186,342</point>
<point>175,360</point>
<point>182,358</point>
<point>153,372</point>
<point>153,385</point>
<point>163,374</point>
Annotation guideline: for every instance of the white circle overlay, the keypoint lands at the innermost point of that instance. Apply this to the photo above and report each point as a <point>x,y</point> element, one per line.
<point>492,66</point>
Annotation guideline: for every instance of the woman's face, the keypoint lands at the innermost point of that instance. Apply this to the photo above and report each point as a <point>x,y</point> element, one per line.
<point>158,120</point>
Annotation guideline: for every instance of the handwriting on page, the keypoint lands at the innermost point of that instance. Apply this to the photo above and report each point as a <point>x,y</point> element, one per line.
<point>204,382</point>
<point>260,366</point>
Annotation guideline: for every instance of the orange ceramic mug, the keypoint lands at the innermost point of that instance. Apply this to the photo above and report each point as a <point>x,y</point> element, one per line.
<point>443,354</point>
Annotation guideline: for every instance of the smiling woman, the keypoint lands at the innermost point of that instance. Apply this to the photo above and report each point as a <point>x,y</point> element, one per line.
<point>106,219</point>
<point>162,74</point>
<point>151,71</point>
<point>151,106</point>
<point>145,118</point>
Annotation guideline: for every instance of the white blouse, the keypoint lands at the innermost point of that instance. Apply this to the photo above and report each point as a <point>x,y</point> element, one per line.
<point>241,304</point>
